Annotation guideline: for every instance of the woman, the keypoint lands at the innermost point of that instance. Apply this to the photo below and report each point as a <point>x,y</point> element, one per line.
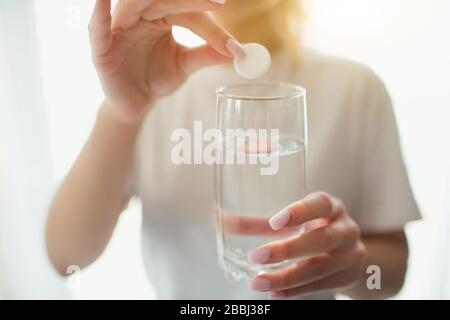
<point>357,217</point>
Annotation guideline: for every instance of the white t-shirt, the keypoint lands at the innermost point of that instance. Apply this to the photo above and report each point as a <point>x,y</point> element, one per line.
<point>354,154</point>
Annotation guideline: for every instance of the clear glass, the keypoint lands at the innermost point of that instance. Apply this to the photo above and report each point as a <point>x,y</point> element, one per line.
<point>263,169</point>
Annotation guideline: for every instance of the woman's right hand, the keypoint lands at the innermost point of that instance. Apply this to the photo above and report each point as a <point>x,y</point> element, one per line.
<point>136,57</point>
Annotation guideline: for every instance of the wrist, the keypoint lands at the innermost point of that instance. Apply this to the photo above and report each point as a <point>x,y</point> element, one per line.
<point>126,120</point>
<point>109,117</point>
<point>129,116</point>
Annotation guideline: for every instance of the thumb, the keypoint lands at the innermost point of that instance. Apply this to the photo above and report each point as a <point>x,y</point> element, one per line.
<point>204,56</point>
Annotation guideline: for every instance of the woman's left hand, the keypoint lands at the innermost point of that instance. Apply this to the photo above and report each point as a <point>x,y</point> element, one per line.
<point>332,255</point>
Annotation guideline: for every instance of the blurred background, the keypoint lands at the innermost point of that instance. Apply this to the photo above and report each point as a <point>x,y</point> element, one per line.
<point>49,96</point>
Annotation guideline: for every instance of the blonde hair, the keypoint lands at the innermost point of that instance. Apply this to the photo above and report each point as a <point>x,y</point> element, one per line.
<point>282,22</point>
<point>288,16</point>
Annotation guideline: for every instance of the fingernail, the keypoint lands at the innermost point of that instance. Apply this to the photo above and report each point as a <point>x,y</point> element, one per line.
<point>218,1</point>
<point>235,49</point>
<point>280,220</point>
<point>277,295</point>
<point>261,284</point>
<point>259,255</point>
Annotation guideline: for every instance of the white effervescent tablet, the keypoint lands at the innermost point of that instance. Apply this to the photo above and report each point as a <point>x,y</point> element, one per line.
<point>256,62</point>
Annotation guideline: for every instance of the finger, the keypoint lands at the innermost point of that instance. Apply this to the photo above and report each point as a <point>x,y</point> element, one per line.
<point>161,8</point>
<point>202,24</point>
<point>314,224</point>
<point>309,243</point>
<point>314,269</point>
<point>232,223</point>
<point>204,56</point>
<point>314,206</point>
<point>335,282</point>
<point>100,27</point>
<point>128,12</point>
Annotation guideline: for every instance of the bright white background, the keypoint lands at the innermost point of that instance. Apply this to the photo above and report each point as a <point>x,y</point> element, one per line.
<point>404,41</point>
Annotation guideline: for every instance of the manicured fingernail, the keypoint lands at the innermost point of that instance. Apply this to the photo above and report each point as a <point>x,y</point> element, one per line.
<point>235,49</point>
<point>277,295</point>
<point>261,284</point>
<point>259,255</point>
<point>280,220</point>
<point>218,1</point>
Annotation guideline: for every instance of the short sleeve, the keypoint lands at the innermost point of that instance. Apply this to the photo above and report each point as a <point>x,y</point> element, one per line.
<point>386,200</point>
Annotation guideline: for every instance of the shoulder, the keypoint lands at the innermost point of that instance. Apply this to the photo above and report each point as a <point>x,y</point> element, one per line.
<point>344,85</point>
<point>343,72</point>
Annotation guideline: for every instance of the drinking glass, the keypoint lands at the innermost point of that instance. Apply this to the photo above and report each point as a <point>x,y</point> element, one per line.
<point>262,169</point>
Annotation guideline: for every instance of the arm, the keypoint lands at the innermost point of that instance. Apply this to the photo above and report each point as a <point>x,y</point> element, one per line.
<point>85,209</point>
<point>137,62</point>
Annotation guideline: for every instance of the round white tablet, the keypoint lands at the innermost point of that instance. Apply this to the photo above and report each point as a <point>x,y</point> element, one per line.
<point>256,62</point>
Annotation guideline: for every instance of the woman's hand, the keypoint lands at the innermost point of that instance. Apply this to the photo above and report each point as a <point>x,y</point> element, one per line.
<point>332,256</point>
<point>136,57</point>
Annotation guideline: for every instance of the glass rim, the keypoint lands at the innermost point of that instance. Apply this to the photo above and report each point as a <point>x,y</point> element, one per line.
<point>297,91</point>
